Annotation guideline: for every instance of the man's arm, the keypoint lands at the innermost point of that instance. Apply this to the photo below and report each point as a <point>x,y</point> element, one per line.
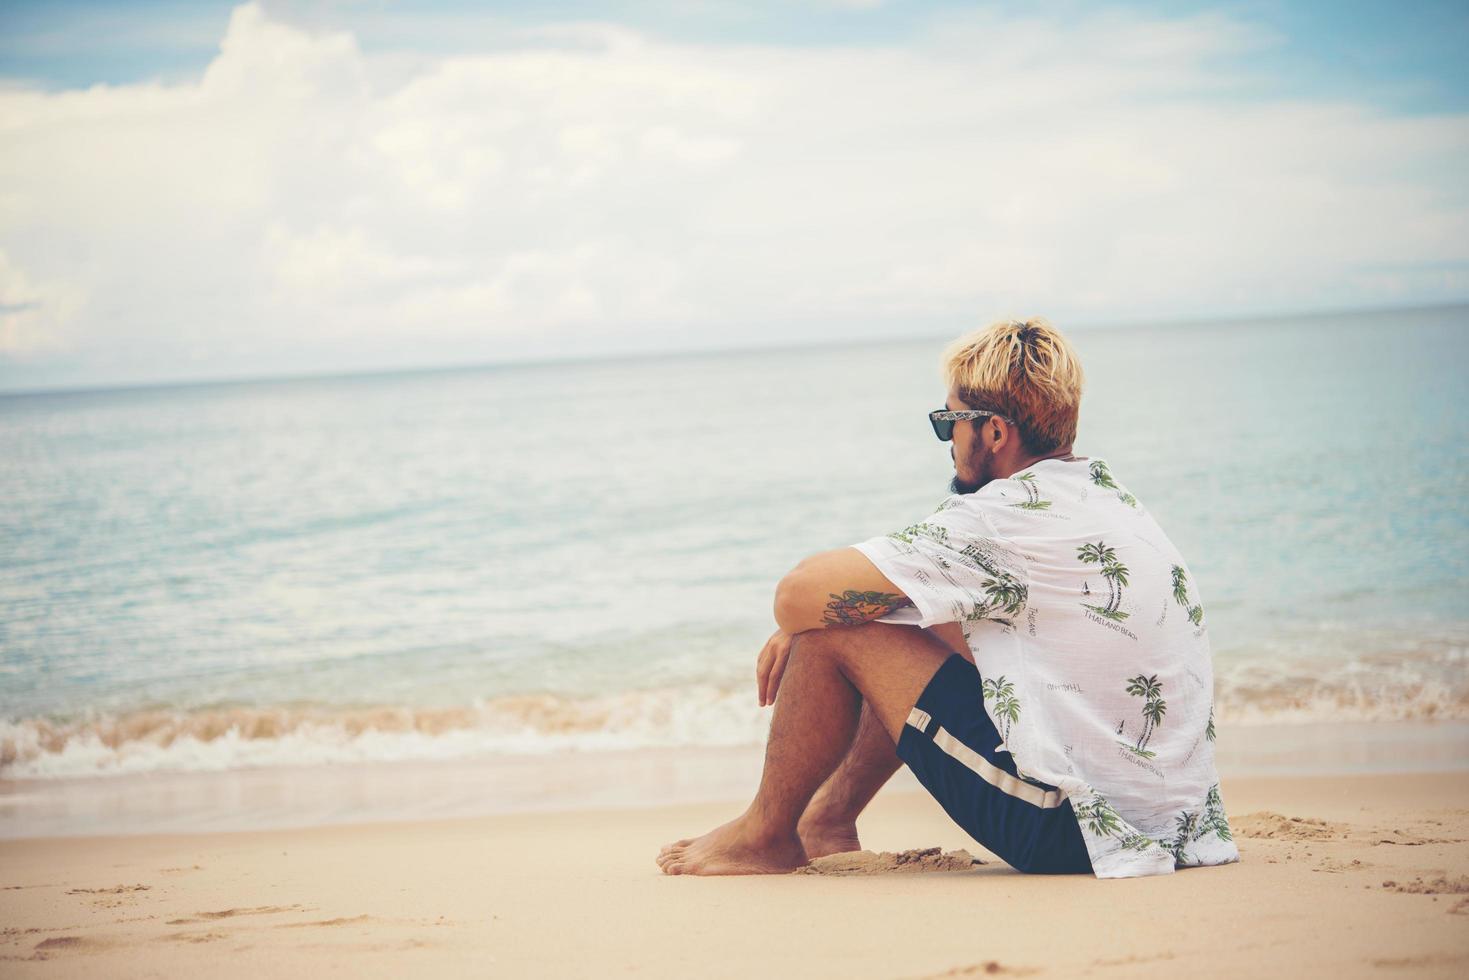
<point>834,588</point>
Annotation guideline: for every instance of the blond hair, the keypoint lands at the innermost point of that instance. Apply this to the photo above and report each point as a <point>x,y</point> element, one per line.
<point>1023,369</point>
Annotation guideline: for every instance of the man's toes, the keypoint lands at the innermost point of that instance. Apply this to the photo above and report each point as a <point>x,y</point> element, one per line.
<point>676,845</point>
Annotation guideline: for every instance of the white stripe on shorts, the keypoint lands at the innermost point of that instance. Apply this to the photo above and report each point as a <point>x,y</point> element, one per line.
<point>982,767</point>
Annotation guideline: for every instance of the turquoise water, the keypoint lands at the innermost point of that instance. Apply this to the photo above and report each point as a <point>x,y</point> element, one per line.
<point>535,558</point>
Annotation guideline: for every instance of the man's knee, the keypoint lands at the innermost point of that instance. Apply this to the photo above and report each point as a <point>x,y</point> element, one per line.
<point>816,643</point>
<point>841,643</point>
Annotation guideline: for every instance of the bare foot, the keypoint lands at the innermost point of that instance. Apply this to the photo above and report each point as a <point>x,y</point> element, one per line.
<point>821,839</point>
<point>733,849</point>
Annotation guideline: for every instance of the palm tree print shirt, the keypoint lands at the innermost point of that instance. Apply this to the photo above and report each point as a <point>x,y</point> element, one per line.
<point>1089,632</point>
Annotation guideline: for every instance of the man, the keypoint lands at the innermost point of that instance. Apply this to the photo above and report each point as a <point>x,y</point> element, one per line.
<point>1073,729</point>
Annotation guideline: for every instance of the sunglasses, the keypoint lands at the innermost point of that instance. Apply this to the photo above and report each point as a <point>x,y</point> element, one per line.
<point>943,420</point>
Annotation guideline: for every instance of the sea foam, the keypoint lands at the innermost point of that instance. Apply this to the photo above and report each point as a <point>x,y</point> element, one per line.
<point>217,739</point>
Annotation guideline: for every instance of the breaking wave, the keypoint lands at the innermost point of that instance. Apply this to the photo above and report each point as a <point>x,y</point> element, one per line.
<point>245,737</point>
<point>1430,686</point>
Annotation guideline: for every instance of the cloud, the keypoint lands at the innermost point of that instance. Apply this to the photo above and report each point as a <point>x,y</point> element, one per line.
<point>305,205</point>
<point>34,317</point>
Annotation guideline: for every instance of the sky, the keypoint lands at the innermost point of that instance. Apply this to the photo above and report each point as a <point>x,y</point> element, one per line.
<point>193,190</point>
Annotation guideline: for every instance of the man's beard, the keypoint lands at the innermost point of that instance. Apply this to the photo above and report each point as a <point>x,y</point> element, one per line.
<point>980,462</point>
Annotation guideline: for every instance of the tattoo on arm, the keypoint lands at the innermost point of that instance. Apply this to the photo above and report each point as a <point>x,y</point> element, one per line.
<point>853,608</point>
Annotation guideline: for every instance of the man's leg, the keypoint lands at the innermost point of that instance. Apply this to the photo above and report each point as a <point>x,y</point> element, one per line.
<point>830,675</point>
<point>829,825</point>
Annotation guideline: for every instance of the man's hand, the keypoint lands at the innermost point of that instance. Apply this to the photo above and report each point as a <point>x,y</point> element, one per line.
<point>771,665</point>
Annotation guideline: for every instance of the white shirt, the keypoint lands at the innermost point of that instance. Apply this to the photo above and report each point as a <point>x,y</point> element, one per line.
<point>1090,636</point>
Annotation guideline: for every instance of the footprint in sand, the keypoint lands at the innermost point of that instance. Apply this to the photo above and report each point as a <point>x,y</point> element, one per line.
<point>1439,884</point>
<point>116,897</point>
<point>325,922</point>
<point>989,968</point>
<point>193,937</point>
<point>47,948</point>
<point>1266,825</point>
<point>904,862</point>
<point>231,913</point>
<point>62,942</point>
<point>1403,837</point>
<point>1340,867</point>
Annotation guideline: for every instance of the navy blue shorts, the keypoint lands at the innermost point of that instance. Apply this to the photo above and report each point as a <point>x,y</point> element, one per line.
<point>951,746</point>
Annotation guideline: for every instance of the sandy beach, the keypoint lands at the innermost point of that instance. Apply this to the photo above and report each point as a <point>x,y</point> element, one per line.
<point>433,434</point>
<point>1362,875</point>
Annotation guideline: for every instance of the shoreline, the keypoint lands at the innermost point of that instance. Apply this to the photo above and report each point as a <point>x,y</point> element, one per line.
<point>283,797</point>
<point>1341,876</point>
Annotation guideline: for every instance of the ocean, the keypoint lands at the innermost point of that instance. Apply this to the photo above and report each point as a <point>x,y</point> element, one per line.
<point>579,558</point>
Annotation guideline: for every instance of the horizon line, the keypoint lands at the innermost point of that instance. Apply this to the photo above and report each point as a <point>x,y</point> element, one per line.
<point>678,352</point>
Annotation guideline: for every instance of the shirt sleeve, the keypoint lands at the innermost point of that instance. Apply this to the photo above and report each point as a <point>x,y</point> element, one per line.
<point>953,566</point>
